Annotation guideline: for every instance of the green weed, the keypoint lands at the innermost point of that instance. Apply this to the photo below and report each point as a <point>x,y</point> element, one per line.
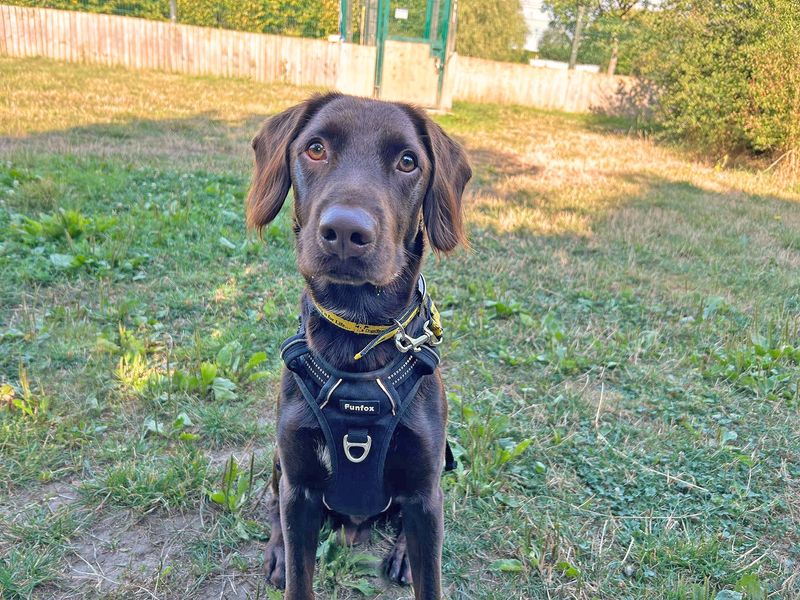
<point>19,396</point>
<point>237,486</point>
<point>340,568</point>
<point>483,449</point>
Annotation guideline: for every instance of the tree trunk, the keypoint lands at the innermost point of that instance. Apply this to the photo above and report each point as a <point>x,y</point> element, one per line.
<point>576,39</point>
<point>173,10</point>
<point>612,62</point>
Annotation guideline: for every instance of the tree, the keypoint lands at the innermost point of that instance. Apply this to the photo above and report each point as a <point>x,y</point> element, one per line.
<point>580,16</point>
<point>607,27</point>
<point>493,30</point>
<point>616,15</point>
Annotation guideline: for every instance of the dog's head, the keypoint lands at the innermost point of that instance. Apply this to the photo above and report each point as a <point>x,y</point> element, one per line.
<point>367,177</point>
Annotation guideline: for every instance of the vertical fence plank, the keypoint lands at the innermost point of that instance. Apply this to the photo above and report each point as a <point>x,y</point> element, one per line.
<point>52,43</point>
<point>14,39</point>
<point>54,19</point>
<point>119,37</point>
<point>94,40</point>
<point>31,18</point>
<point>24,21</point>
<point>128,44</point>
<point>100,40</point>
<point>107,35</point>
<point>23,37</point>
<point>147,30</point>
<point>3,31</point>
<point>69,35</point>
<point>105,39</point>
<point>12,32</point>
<point>33,33</point>
<point>63,36</point>
<point>146,44</point>
<point>21,19</point>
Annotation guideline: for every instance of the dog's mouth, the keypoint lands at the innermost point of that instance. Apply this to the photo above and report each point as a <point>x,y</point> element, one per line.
<point>352,271</point>
<point>346,274</point>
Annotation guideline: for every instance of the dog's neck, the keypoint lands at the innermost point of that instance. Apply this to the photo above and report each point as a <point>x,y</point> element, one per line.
<point>362,304</point>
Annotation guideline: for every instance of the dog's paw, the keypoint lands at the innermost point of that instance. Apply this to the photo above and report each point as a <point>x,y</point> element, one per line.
<point>275,564</point>
<point>396,565</point>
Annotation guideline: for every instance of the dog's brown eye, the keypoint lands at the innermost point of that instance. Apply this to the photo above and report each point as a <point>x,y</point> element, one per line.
<point>407,163</point>
<point>316,151</point>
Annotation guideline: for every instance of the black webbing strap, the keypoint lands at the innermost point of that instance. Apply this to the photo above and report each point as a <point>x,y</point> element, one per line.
<point>358,414</point>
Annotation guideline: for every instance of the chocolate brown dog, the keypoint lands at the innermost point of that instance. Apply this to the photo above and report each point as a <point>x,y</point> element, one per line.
<point>362,414</point>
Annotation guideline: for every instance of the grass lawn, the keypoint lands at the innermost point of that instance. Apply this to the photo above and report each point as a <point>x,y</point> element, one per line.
<point>622,354</point>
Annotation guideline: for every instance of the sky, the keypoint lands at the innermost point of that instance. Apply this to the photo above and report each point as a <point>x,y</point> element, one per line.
<point>537,21</point>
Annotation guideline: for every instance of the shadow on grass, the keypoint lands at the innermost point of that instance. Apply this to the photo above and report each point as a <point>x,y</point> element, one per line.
<point>203,141</point>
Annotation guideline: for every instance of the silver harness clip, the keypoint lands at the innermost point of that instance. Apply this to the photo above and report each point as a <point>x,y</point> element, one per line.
<point>405,342</point>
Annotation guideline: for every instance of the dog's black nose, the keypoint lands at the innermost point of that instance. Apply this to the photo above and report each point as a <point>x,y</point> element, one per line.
<point>346,232</point>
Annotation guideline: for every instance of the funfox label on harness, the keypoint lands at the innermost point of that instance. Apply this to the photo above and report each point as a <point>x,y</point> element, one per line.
<point>360,407</point>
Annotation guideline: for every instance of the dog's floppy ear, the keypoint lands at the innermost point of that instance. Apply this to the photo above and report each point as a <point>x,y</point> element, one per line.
<point>441,208</point>
<point>271,174</point>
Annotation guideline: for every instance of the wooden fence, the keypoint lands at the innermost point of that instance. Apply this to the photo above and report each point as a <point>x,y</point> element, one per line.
<point>143,44</point>
<point>479,80</point>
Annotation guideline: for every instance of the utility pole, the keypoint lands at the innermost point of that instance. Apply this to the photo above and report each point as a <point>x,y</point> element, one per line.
<point>576,39</point>
<point>173,10</point>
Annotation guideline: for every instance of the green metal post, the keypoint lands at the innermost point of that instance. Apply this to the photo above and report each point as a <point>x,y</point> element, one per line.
<point>445,7</point>
<point>382,31</point>
<point>428,16</point>
<point>344,19</point>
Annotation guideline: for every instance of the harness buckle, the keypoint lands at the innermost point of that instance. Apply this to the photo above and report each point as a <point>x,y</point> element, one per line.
<point>405,342</point>
<point>365,446</point>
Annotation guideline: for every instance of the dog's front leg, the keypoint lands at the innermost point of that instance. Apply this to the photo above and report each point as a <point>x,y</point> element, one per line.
<point>423,525</point>
<point>301,517</point>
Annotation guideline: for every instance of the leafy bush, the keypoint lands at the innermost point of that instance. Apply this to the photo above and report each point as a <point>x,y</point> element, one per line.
<point>147,9</point>
<point>307,18</point>
<point>728,72</point>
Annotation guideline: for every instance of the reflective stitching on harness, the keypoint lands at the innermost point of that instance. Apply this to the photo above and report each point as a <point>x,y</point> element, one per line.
<point>388,395</point>
<point>319,373</point>
<point>403,366</point>
<point>316,377</point>
<point>402,374</point>
<point>330,393</point>
<point>321,370</point>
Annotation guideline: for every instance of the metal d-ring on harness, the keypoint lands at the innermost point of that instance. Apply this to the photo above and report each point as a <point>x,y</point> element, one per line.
<point>358,412</point>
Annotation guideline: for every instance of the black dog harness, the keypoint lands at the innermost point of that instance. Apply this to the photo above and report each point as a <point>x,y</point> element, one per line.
<point>359,411</point>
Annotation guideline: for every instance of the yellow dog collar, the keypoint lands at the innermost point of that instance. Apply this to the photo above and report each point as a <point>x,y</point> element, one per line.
<point>388,331</point>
